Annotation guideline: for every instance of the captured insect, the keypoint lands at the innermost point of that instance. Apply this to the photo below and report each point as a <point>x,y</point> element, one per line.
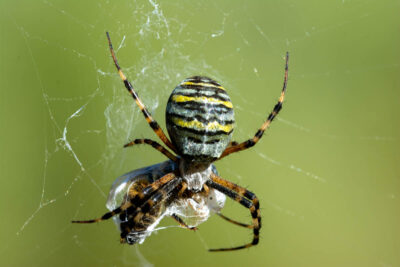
<point>200,122</point>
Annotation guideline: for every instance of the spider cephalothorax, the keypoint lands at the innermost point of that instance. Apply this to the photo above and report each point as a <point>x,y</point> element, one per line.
<point>200,122</point>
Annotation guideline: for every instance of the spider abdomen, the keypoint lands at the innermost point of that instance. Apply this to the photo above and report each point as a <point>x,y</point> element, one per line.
<point>200,118</point>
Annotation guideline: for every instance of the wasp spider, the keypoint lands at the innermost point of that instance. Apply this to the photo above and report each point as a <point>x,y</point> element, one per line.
<point>200,123</point>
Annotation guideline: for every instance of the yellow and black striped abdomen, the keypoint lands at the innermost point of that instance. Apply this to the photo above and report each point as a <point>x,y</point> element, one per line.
<point>200,118</point>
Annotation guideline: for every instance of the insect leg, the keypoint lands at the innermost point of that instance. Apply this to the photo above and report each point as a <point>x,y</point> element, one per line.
<point>182,223</point>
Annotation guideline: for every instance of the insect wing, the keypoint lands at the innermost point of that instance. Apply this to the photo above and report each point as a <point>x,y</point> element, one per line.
<point>122,184</point>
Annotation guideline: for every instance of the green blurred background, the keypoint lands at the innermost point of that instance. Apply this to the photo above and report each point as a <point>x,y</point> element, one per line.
<point>327,172</point>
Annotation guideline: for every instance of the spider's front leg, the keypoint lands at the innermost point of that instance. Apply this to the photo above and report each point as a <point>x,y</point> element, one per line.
<point>137,198</point>
<point>234,222</point>
<point>181,222</point>
<point>246,199</point>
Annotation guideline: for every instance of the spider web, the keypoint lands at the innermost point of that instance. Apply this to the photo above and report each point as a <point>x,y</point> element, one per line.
<point>88,116</point>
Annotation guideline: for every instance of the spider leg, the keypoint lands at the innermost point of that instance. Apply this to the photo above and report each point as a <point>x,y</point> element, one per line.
<point>154,144</point>
<point>251,142</point>
<point>234,222</point>
<point>232,143</point>
<point>176,217</point>
<point>106,216</point>
<point>206,191</point>
<point>161,195</point>
<point>153,124</point>
<point>182,223</point>
<point>140,197</point>
<point>246,199</point>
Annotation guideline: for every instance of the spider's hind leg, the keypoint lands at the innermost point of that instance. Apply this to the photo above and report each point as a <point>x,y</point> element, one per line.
<point>153,123</point>
<point>232,148</point>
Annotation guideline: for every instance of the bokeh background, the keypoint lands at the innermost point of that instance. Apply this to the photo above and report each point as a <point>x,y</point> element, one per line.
<point>327,172</point>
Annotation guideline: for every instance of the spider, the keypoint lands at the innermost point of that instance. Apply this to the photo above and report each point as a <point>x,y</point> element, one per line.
<point>200,123</point>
